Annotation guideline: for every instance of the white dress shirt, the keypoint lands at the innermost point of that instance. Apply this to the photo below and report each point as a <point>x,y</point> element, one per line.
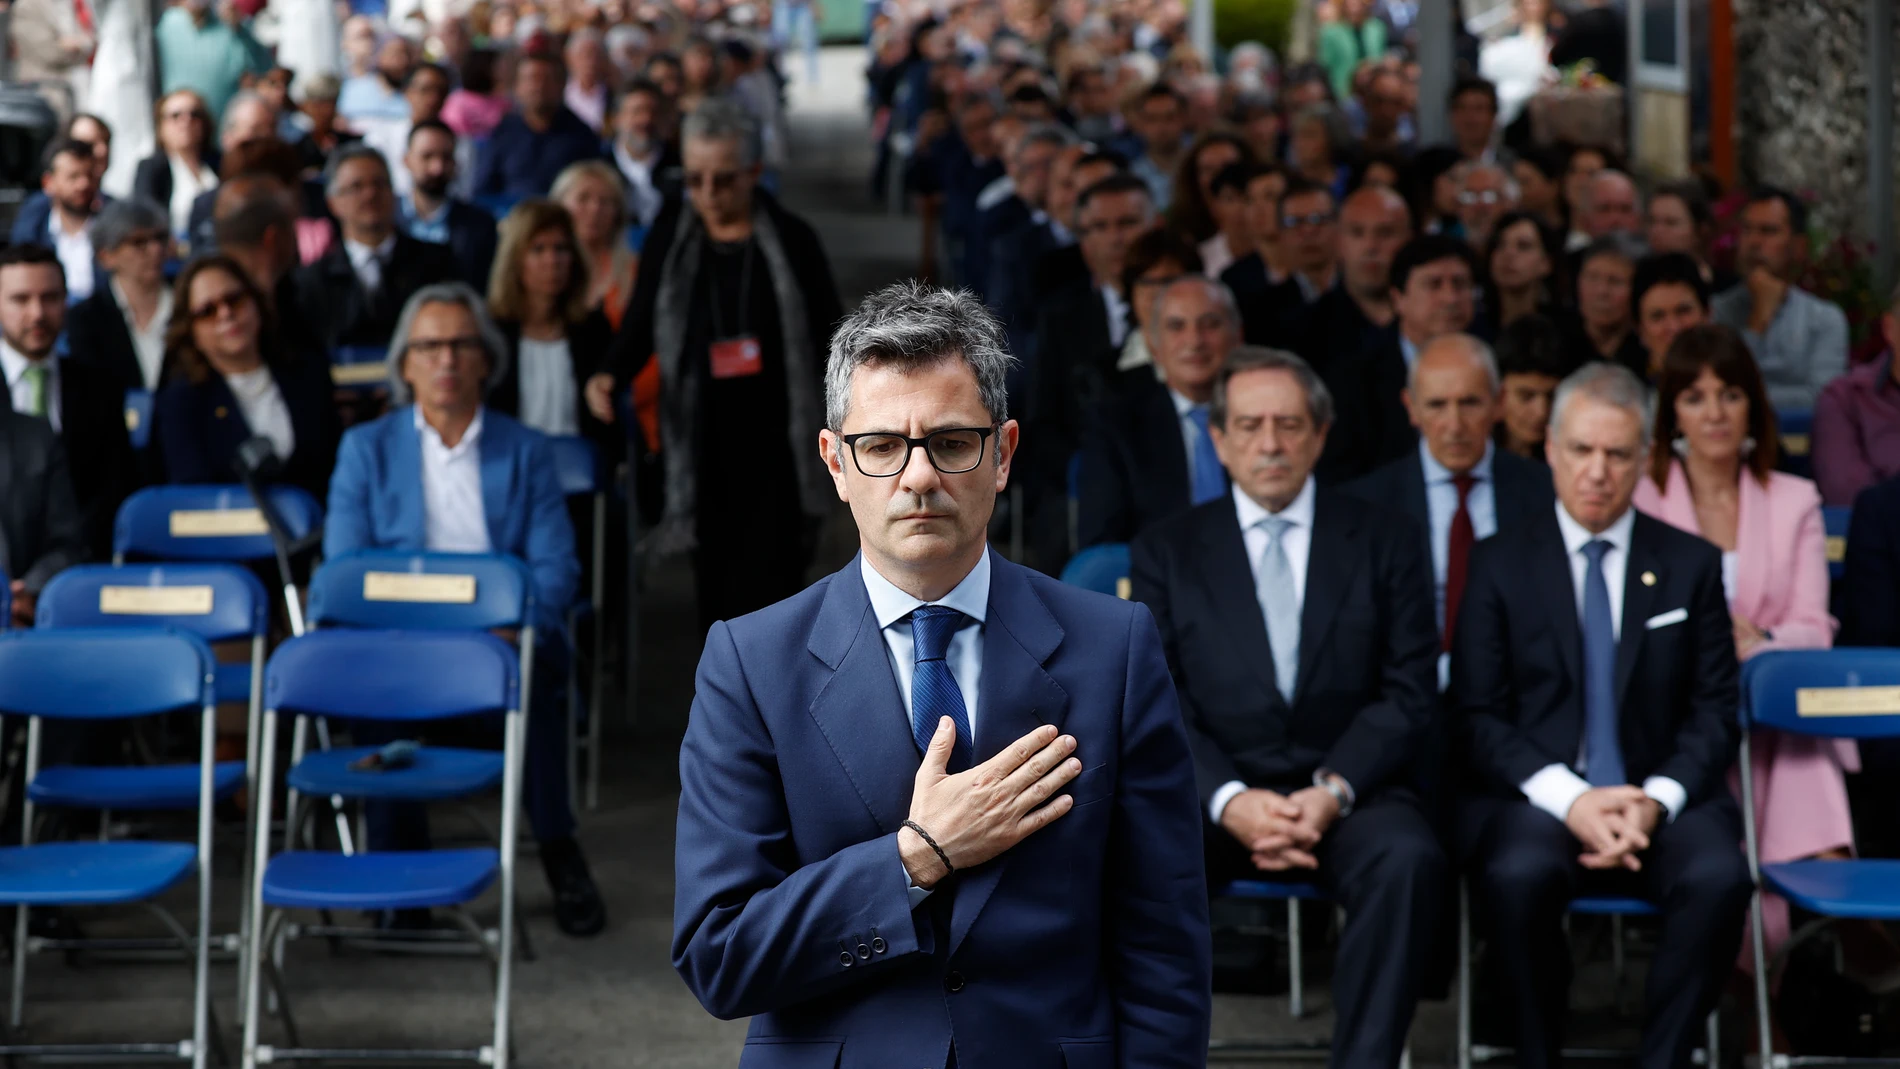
<point>15,364</point>
<point>454,517</point>
<point>262,405</point>
<point>893,607</point>
<point>1556,787</point>
<point>368,263</point>
<point>147,344</point>
<point>1407,351</point>
<point>75,256</point>
<point>1117,316</point>
<point>1297,542</point>
<point>550,403</point>
<point>643,197</point>
<point>187,186</point>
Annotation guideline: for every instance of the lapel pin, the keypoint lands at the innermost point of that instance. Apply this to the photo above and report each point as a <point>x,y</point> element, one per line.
<point>221,412</point>
<point>1649,578</point>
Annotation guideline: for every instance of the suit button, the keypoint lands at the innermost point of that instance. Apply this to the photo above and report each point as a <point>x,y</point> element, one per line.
<point>864,952</point>
<point>845,959</point>
<point>878,945</point>
<point>953,982</point>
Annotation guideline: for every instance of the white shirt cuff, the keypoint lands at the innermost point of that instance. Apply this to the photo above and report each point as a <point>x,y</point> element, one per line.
<point>1668,792</point>
<point>1224,794</point>
<point>1554,789</point>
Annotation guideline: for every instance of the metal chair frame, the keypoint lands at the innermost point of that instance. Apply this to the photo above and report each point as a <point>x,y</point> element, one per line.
<point>577,740</point>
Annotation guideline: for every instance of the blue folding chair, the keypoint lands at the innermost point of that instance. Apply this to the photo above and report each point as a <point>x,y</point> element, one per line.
<point>1103,569</point>
<point>1796,427</point>
<point>577,467</point>
<point>138,417</point>
<point>359,367</point>
<point>1829,694</point>
<point>1836,521</point>
<point>209,522</point>
<point>100,674</point>
<point>409,677</point>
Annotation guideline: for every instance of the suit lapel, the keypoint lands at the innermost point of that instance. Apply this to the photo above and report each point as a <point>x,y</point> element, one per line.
<point>498,474</point>
<point>1161,429</point>
<point>1414,496</point>
<point>859,710</point>
<point>1015,696</point>
<point>1331,554</point>
<point>1228,577</point>
<point>1550,568</point>
<point>1639,600</point>
<point>405,483</point>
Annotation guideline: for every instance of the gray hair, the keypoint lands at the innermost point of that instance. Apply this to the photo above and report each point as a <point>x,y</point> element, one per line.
<point>1319,399</point>
<point>1043,134</point>
<point>355,150</point>
<point>240,100</point>
<point>1609,172</point>
<point>1332,120</point>
<point>1213,288</point>
<point>724,119</point>
<point>325,86</point>
<point>1625,246</point>
<point>457,293</point>
<point>119,220</point>
<point>1609,384</point>
<point>915,326</point>
<point>1463,172</point>
<point>1474,347</point>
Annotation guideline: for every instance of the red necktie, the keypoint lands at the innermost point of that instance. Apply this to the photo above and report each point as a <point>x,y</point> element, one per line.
<point>1457,553</point>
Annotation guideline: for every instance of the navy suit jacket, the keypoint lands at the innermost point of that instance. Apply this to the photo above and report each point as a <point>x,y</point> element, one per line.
<point>198,427</point>
<point>33,225</point>
<point>376,502</point>
<point>1085,946</point>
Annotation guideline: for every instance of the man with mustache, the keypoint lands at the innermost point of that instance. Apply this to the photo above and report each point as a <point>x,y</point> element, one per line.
<point>1298,624</point>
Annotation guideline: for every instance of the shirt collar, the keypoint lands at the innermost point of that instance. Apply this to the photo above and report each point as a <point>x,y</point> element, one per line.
<point>1407,351</point>
<point>971,597</point>
<point>58,232</point>
<point>15,363</point>
<point>414,216</point>
<point>161,314</point>
<point>1298,512</point>
<point>431,439</point>
<point>1183,406</point>
<point>1436,473</point>
<point>1576,536</point>
<point>359,253</point>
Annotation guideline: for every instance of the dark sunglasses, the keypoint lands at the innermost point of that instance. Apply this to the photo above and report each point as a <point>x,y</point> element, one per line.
<point>217,306</point>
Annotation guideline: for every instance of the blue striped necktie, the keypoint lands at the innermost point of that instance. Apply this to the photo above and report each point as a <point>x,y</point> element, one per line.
<point>934,693</point>
<point>1210,479</point>
<point>1602,749</point>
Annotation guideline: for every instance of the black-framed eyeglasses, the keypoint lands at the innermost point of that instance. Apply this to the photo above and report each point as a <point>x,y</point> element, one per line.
<point>952,451</point>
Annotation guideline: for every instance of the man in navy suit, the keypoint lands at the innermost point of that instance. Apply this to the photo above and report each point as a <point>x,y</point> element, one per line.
<point>938,809</point>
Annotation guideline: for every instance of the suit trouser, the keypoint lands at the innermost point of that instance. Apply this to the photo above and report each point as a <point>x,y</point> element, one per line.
<point>544,786</point>
<point>1522,864</point>
<point>1384,867</point>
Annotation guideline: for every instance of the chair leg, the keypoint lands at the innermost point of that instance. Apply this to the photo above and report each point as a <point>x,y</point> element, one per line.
<point>1762,1020</point>
<point>1296,993</point>
<point>19,968</point>
<point>270,956</point>
<point>1464,976</point>
<point>189,946</point>
<point>1715,1039</point>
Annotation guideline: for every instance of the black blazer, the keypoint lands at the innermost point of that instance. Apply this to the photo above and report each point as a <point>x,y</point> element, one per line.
<point>1268,310</point>
<point>1521,488</point>
<point>472,240</point>
<point>1868,595</point>
<point>1516,667</point>
<point>587,343</point>
<point>1134,464</point>
<point>153,177</point>
<point>96,332</point>
<point>1377,376</point>
<point>98,451</point>
<point>1367,683</point>
<point>332,302</point>
<point>198,427</point>
<point>1074,363</point>
<point>41,528</point>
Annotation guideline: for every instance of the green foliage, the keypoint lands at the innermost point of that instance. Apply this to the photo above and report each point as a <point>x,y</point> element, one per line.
<point>1266,21</point>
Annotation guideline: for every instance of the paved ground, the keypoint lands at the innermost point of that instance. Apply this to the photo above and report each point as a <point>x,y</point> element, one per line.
<point>612,1002</point>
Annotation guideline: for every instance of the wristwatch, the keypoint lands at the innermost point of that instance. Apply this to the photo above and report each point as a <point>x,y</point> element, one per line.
<point>1334,784</point>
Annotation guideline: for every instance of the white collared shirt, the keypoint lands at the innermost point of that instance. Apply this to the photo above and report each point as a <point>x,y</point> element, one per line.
<point>187,186</point>
<point>454,517</point>
<point>75,256</point>
<point>1117,316</point>
<point>368,263</point>
<point>550,402</point>
<point>147,344</point>
<point>1311,291</point>
<point>1297,541</point>
<point>1556,787</point>
<point>14,363</point>
<point>262,405</point>
<point>1407,351</point>
<point>643,197</point>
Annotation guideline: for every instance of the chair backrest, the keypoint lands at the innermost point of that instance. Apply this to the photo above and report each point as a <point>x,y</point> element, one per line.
<point>1839,693</point>
<point>392,675</point>
<point>359,366</point>
<point>1796,425</point>
<point>1836,520</point>
<point>208,522</point>
<point>216,602</point>
<point>576,465</point>
<point>138,417</point>
<point>103,673</point>
<point>422,591</point>
<point>1099,568</point>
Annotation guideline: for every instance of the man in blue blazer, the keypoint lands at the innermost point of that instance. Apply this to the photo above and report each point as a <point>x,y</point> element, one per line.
<point>938,809</point>
<point>446,474</point>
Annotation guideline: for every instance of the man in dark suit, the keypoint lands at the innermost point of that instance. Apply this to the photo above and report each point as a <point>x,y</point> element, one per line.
<point>41,529</point>
<point>1433,287</point>
<point>1868,601</point>
<point>85,404</point>
<point>1146,450</point>
<point>353,295</point>
<point>1011,879</point>
<point>70,180</point>
<point>429,213</point>
<point>1593,686</point>
<point>1309,227</point>
<point>1298,625</point>
<point>255,223</point>
<point>1457,486</point>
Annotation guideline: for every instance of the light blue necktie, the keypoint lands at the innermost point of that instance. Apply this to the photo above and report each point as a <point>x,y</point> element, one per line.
<point>934,693</point>
<point>1279,605</point>
<point>1210,479</point>
<point>1602,750</point>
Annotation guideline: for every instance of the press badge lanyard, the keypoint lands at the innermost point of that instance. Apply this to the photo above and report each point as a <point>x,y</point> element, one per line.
<point>745,297</point>
<point>737,355</point>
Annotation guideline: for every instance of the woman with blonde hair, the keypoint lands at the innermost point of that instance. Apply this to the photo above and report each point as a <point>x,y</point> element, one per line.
<point>596,199</point>
<point>538,296</point>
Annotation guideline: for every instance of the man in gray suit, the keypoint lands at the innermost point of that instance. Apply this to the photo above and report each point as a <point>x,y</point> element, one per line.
<point>41,530</point>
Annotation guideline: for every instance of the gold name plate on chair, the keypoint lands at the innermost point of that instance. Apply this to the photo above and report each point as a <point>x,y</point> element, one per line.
<point>155,600</point>
<point>217,523</point>
<point>1847,701</point>
<point>359,374</point>
<point>415,587</point>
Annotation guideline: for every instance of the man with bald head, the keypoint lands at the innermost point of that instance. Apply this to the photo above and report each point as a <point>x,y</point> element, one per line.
<point>1457,484</point>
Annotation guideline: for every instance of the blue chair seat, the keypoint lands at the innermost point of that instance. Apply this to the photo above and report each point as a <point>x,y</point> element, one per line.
<point>91,874</point>
<point>233,682</point>
<point>146,787</point>
<point>438,772</point>
<point>1270,890</point>
<point>1867,889</point>
<point>305,879</point>
<point>1612,906</point>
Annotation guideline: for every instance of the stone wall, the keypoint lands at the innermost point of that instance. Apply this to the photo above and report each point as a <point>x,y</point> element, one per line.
<point>1801,101</point>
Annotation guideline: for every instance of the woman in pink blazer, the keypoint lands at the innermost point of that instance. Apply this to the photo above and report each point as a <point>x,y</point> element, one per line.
<point>1712,474</point>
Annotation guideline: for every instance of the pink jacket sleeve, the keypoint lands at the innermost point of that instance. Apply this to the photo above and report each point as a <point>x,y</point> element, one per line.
<point>1804,623</point>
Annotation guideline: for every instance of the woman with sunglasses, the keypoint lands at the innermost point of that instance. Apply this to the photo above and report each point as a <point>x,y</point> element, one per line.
<point>186,163</point>
<point>230,382</point>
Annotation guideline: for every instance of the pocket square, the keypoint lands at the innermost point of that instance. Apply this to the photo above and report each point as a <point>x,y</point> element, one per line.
<point>1673,616</point>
